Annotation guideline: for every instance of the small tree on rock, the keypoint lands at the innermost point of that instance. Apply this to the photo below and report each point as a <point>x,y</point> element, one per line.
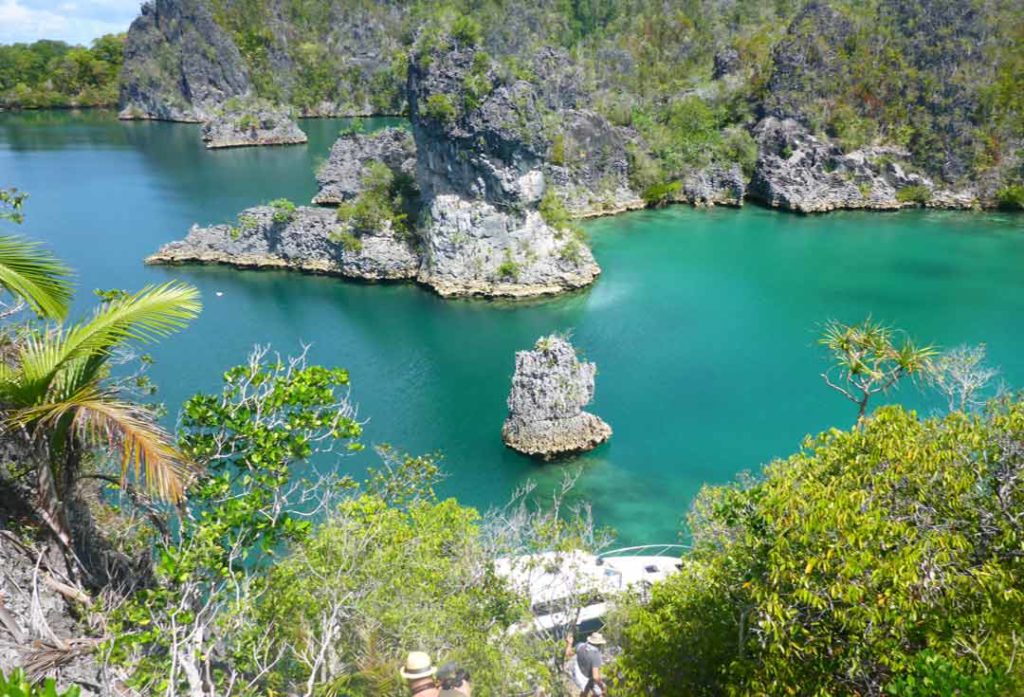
<point>866,360</point>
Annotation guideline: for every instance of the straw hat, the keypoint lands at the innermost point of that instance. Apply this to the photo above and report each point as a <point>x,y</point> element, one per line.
<point>597,639</point>
<point>417,665</point>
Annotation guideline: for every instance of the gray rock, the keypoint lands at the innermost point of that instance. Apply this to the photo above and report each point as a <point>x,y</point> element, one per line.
<point>801,172</point>
<point>550,387</point>
<point>472,247</point>
<point>340,177</point>
<point>310,241</point>
<point>179,64</point>
<point>591,172</point>
<point>480,172</point>
<point>718,185</point>
<point>727,62</point>
<point>246,123</point>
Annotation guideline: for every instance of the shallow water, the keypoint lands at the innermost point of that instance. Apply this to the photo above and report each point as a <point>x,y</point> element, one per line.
<point>703,324</point>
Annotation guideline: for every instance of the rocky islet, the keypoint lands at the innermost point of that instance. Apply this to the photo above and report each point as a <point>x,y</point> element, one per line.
<point>550,387</point>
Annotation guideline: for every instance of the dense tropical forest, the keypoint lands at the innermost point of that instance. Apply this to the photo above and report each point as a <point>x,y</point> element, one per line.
<point>693,78</point>
<point>52,74</point>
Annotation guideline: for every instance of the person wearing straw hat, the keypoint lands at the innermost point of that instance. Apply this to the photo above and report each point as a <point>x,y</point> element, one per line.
<point>418,673</point>
<point>586,668</point>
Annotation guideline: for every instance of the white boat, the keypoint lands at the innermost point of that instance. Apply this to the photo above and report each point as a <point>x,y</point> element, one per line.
<point>575,589</point>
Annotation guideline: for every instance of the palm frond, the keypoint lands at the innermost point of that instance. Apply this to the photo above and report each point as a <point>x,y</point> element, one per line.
<point>146,450</point>
<point>152,313</point>
<point>32,273</point>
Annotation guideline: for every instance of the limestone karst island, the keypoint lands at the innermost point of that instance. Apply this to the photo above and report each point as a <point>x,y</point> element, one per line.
<point>634,348</point>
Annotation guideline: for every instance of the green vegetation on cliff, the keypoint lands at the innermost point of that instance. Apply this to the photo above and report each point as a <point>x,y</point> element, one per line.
<point>49,74</point>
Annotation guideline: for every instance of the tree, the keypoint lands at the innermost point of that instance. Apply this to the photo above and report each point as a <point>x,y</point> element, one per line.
<point>961,375</point>
<point>253,597</point>
<point>872,560</point>
<point>866,360</point>
<point>54,391</point>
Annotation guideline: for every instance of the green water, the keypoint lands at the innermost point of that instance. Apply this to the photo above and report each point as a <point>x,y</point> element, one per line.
<point>703,323</point>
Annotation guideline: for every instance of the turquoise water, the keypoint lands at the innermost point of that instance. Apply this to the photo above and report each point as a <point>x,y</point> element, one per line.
<point>703,324</point>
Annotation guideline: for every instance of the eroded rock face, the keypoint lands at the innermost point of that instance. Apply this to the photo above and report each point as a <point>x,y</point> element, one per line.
<point>798,171</point>
<point>311,240</point>
<point>588,165</point>
<point>480,170</point>
<point>550,387</point>
<point>239,124</point>
<point>340,178</point>
<point>718,185</point>
<point>179,64</point>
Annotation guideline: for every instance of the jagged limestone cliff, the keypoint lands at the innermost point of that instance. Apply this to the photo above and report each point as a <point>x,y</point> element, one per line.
<point>480,168</point>
<point>638,104</point>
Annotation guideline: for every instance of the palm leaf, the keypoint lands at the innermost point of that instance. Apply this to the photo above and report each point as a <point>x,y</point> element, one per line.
<point>56,363</point>
<point>146,450</point>
<point>33,274</point>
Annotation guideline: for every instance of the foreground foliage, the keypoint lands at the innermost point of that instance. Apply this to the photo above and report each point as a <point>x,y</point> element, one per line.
<point>16,685</point>
<point>885,558</point>
<point>251,597</point>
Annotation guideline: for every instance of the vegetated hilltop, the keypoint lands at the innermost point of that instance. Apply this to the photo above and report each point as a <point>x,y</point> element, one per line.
<point>925,87</point>
<point>48,74</point>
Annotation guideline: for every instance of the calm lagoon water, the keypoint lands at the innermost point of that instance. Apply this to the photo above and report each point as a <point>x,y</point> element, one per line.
<point>703,323</point>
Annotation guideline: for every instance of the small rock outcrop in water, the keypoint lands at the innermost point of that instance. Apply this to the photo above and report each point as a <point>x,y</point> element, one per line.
<point>341,177</point>
<point>545,407</point>
<point>305,239</point>
<point>480,146</point>
<point>241,123</point>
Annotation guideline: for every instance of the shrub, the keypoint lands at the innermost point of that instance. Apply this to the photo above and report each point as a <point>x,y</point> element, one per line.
<point>572,251</point>
<point>440,107</point>
<point>556,155</point>
<point>508,269</point>
<point>348,241</point>
<point>845,568</point>
<point>554,211</point>
<point>247,122</point>
<point>384,199</point>
<point>1011,197</point>
<point>918,193</point>
<point>661,194</point>
<point>17,685</point>
<point>467,31</point>
<point>740,147</point>
<point>284,210</point>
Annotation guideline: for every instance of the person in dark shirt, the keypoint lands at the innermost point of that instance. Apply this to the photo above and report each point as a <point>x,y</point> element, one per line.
<point>586,668</point>
<point>454,681</point>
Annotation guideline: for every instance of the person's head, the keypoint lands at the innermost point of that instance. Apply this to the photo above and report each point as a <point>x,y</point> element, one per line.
<point>418,668</point>
<point>597,639</point>
<point>451,676</point>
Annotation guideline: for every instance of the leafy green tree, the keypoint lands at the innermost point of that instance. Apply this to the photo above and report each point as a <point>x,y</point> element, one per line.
<point>884,559</point>
<point>253,443</point>
<point>385,202</point>
<point>866,360</point>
